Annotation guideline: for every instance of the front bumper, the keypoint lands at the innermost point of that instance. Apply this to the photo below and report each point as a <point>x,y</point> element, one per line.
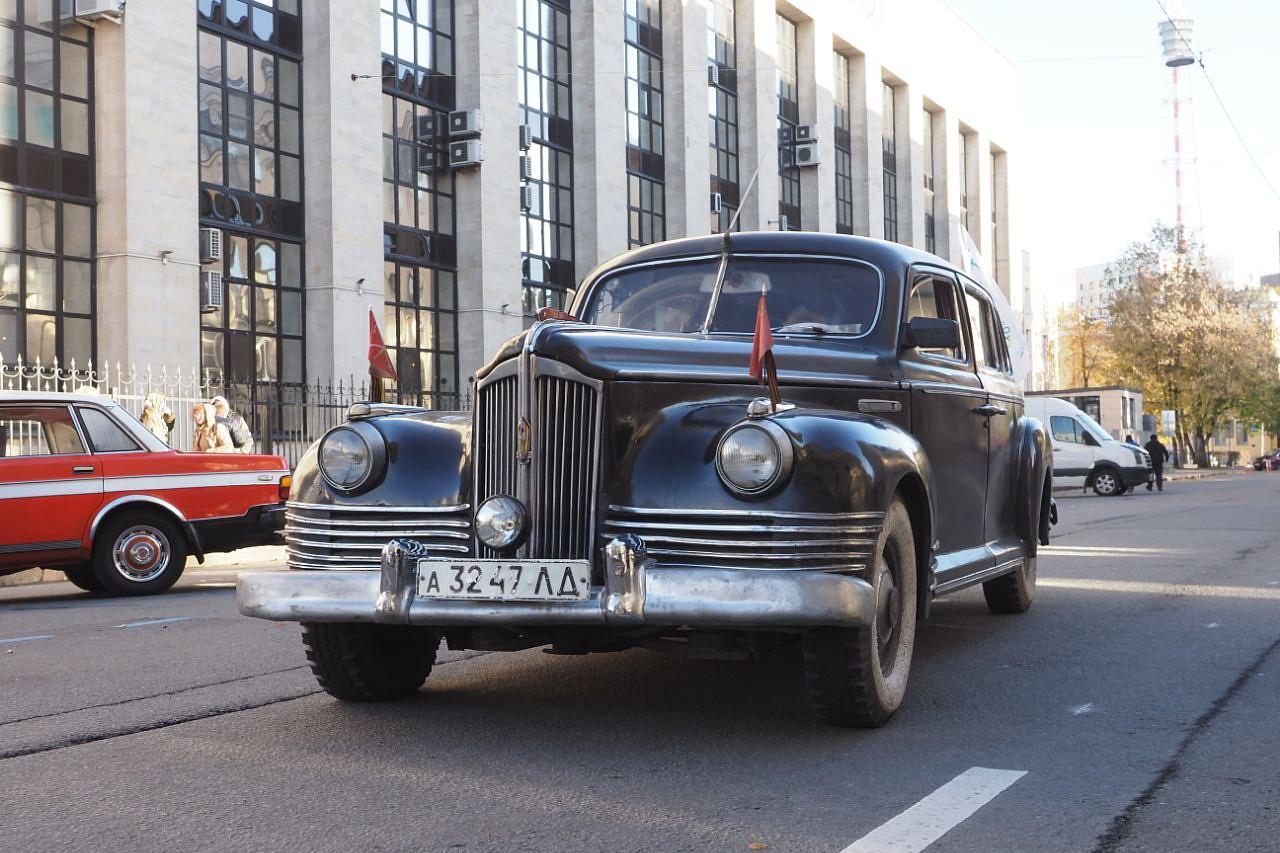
<point>638,592</point>
<point>1135,475</point>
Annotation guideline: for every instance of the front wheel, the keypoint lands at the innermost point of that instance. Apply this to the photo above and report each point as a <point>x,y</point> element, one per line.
<point>858,676</point>
<point>363,662</point>
<point>138,553</point>
<point>1106,483</point>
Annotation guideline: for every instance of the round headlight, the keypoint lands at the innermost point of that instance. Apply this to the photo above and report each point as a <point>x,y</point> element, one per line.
<point>351,456</point>
<point>754,456</point>
<point>501,522</point>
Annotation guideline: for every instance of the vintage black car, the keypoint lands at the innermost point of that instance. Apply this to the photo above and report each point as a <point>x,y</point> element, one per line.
<point>623,482</point>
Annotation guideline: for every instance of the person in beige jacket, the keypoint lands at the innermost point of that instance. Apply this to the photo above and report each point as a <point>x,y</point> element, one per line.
<point>211,436</point>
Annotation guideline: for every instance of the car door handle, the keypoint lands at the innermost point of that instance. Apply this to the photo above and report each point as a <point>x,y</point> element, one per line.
<point>82,469</point>
<point>988,410</point>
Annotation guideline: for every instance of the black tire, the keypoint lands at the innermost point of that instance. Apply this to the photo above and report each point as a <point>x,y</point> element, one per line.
<point>82,575</point>
<point>1106,482</point>
<point>138,552</point>
<point>364,662</point>
<point>1014,592</point>
<point>849,682</point>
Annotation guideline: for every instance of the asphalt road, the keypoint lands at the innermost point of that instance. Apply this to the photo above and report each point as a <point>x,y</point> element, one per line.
<point>1136,706</point>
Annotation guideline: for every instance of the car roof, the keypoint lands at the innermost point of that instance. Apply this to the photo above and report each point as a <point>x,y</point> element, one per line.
<point>54,397</point>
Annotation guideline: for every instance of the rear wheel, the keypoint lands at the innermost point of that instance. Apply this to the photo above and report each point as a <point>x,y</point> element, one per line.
<point>138,553</point>
<point>1014,592</point>
<point>858,676</point>
<point>1106,483</point>
<point>82,575</point>
<point>362,662</point>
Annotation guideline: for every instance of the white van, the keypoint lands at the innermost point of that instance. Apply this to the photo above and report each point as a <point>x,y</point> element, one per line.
<point>1084,454</point>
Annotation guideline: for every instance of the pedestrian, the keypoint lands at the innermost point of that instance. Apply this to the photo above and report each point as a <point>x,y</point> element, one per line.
<point>157,417</point>
<point>1128,439</point>
<point>1159,455</point>
<point>211,436</point>
<point>235,423</point>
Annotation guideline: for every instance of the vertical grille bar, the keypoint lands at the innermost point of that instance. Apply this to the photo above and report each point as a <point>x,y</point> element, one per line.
<point>565,414</point>
<point>495,457</point>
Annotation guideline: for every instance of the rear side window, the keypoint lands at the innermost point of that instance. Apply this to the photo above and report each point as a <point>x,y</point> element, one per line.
<point>988,337</point>
<point>37,431</point>
<point>105,435</point>
<point>935,298</point>
<point>1066,429</point>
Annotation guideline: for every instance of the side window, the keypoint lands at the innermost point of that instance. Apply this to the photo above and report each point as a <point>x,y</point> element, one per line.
<point>105,435</point>
<point>38,431</point>
<point>1065,429</point>
<point>988,336</point>
<point>935,297</point>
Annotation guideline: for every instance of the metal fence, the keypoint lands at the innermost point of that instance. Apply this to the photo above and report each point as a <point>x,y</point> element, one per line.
<point>284,419</point>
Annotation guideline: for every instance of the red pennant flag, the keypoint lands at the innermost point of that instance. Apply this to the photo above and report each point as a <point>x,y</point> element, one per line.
<point>379,359</point>
<point>762,343</point>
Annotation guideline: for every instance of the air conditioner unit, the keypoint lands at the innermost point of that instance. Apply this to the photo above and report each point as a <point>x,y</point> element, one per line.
<point>807,154</point>
<point>717,203</point>
<point>424,129</point>
<point>465,154</point>
<point>713,75</point>
<point>98,10</point>
<point>526,137</point>
<point>210,291</point>
<point>210,245</point>
<point>526,168</point>
<point>806,133</point>
<point>464,123</point>
<point>428,158</point>
<point>526,198</point>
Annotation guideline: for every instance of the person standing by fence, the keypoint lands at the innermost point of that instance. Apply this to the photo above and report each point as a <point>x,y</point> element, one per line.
<point>157,416</point>
<point>211,436</point>
<point>235,423</point>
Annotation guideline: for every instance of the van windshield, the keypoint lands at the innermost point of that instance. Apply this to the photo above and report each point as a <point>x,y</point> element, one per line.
<point>814,297</point>
<point>1093,427</point>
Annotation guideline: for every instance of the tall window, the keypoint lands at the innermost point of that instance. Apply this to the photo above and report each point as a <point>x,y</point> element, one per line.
<point>844,147</point>
<point>788,118</point>
<point>723,102</point>
<point>46,186</point>
<point>964,182</point>
<point>930,228</point>
<point>646,205</point>
<point>994,260</point>
<point>889,157</point>
<point>420,289</point>
<point>250,149</point>
<point>546,250</point>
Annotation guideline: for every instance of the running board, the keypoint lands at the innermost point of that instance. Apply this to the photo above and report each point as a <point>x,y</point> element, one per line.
<point>978,577</point>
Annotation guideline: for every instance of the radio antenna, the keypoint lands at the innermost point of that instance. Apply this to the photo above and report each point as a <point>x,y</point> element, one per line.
<point>733,222</point>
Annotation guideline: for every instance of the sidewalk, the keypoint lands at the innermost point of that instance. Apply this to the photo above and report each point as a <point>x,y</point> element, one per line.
<point>1177,474</point>
<point>262,554</point>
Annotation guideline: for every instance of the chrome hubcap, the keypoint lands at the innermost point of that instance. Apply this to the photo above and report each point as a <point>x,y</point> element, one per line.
<point>888,610</point>
<point>1106,483</point>
<point>141,553</point>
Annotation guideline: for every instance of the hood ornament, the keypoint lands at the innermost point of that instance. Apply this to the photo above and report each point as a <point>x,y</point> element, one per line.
<point>524,441</point>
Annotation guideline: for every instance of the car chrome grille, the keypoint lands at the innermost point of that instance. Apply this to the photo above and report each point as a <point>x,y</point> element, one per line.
<point>496,418</point>
<point>322,536</point>
<point>741,540</point>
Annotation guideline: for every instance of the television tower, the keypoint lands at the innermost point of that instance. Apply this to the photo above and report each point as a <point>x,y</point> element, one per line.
<point>1175,39</point>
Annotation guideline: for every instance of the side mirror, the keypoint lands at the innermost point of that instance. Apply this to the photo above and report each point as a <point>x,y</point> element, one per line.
<point>931,333</point>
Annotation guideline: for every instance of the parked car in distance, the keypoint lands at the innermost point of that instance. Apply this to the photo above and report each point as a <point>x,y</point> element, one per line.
<point>621,482</point>
<point>85,488</point>
<point>1261,463</point>
<point>1084,454</point>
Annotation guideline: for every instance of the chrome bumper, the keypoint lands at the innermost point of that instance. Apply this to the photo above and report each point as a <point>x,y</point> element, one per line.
<point>638,591</point>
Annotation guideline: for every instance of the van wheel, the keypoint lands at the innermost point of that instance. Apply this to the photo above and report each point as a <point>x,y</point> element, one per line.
<point>858,676</point>
<point>1106,483</point>
<point>138,553</point>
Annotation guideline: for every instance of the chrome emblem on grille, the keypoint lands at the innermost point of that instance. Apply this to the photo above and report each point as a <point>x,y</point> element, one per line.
<point>524,441</point>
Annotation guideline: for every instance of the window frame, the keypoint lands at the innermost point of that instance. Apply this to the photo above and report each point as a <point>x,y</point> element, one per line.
<point>1076,427</point>
<point>71,417</point>
<point>85,432</point>
<point>966,346</point>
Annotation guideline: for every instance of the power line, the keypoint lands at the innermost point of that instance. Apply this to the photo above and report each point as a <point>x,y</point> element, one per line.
<point>1222,104</point>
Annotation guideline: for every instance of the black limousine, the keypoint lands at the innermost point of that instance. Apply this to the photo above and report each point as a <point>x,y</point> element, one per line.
<point>624,481</point>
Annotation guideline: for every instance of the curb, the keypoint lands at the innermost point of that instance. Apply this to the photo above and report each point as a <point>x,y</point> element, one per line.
<point>1177,478</point>
<point>245,556</point>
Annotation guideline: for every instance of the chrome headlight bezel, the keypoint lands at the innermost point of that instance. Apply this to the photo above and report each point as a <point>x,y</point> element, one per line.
<point>505,515</point>
<point>375,447</point>
<point>784,458</point>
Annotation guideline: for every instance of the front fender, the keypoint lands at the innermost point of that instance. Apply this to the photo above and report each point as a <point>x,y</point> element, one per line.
<point>428,464</point>
<point>1035,481</point>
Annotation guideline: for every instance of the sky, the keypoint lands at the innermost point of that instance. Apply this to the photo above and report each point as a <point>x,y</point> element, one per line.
<point>1097,134</point>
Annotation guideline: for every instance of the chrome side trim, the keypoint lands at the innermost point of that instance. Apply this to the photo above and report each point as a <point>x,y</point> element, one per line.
<point>350,508</point>
<point>752,513</point>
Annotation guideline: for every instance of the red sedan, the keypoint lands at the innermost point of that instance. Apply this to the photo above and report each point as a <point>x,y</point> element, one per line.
<point>84,487</point>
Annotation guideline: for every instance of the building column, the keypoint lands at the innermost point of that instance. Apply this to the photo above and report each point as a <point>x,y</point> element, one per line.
<point>686,125</point>
<point>946,184</point>
<point>488,225</point>
<point>600,133</point>
<point>980,192</point>
<point>342,120</point>
<point>814,55</point>
<point>757,27</point>
<point>148,184</point>
<point>910,115</point>
<point>1001,254</point>
<point>866,107</point>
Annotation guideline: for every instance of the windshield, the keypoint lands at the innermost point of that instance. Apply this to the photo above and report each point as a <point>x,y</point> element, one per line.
<point>813,297</point>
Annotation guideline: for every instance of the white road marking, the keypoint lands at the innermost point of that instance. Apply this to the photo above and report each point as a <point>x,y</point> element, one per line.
<point>1082,710</point>
<point>1213,625</point>
<point>1152,588</point>
<point>218,584</point>
<point>1106,551</point>
<point>154,622</point>
<point>937,814</point>
<point>26,639</point>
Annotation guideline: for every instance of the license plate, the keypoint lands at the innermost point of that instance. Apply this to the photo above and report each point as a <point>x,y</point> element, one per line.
<point>504,580</point>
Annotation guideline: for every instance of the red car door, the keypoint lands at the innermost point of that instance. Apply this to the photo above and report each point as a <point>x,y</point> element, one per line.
<point>50,486</point>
